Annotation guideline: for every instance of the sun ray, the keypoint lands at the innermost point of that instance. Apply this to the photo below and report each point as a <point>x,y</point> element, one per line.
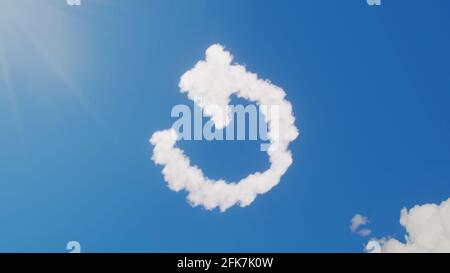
<point>20,20</point>
<point>61,72</point>
<point>9,86</point>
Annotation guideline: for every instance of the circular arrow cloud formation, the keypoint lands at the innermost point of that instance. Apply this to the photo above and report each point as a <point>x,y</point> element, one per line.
<point>212,82</point>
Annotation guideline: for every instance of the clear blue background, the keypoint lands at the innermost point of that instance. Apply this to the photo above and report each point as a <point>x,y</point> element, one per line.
<point>370,88</point>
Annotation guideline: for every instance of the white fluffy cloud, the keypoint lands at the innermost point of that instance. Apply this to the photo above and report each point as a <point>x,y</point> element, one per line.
<point>427,230</point>
<point>356,222</point>
<point>212,82</point>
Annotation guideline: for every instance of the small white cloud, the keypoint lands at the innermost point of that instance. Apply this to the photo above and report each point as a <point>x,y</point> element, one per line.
<point>356,222</point>
<point>364,232</point>
<point>373,246</point>
<point>427,230</point>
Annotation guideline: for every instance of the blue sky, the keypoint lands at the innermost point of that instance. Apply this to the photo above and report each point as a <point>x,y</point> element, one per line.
<point>83,88</point>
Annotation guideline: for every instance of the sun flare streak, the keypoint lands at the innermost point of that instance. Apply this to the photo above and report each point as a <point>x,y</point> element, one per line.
<point>35,34</point>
